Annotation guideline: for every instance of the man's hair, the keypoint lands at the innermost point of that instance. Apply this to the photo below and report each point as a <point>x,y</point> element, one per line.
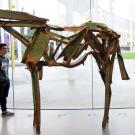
<point>2,44</point>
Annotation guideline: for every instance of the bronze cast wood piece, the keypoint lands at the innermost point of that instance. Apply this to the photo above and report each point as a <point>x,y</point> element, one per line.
<point>90,38</point>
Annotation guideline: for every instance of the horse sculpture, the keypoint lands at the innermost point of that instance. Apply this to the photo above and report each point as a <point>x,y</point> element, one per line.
<point>90,38</point>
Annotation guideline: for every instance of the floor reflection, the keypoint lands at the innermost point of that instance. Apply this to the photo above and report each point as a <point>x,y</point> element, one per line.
<point>106,131</point>
<point>4,127</point>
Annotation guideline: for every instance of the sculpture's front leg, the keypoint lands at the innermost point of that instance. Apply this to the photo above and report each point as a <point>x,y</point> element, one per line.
<point>36,100</point>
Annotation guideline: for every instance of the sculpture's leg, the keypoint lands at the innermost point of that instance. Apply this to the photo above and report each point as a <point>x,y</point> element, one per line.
<point>36,96</point>
<point>34,104</point>
<point>107,97</point>
<point>107,105</point>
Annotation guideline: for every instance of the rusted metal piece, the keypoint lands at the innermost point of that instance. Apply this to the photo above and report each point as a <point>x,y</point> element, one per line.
<point>90,38</point>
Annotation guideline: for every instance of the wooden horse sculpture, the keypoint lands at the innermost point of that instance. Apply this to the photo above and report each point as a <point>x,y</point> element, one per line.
<point>90,38</point>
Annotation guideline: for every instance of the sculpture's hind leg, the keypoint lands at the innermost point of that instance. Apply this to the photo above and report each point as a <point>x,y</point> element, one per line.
<point>107,96</point>
<point>107,106</point>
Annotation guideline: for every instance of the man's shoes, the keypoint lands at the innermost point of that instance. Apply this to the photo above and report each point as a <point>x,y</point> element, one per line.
<point>7,114</point>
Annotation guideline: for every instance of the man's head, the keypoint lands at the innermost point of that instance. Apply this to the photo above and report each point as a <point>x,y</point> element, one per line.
<point>3,49</point>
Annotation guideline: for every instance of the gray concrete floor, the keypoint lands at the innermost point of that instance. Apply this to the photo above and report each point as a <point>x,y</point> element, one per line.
<point>70,122</point>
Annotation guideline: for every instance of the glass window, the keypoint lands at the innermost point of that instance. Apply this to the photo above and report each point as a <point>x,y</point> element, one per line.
<point>80,87</point>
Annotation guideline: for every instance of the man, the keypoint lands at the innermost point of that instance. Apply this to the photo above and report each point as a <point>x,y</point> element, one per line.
<point>4,80</point>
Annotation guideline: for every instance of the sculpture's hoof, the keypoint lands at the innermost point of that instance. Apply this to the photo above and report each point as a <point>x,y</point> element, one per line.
<point>105,122</point>
<point>38,130</point>
<point>103,125</point>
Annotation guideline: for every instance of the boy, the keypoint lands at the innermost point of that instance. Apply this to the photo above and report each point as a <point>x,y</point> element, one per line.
<point>4,80</point>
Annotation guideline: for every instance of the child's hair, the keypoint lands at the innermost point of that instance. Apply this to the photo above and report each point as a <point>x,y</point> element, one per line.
<point>2,44</point>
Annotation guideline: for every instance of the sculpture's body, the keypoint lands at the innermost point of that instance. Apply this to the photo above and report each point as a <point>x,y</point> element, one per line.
<point>89,38</point>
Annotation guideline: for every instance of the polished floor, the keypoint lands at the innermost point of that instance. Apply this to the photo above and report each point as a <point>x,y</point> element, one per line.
<point>70,122</point>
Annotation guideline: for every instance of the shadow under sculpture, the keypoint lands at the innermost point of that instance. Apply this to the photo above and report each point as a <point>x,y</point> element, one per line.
<point>90,38</point>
